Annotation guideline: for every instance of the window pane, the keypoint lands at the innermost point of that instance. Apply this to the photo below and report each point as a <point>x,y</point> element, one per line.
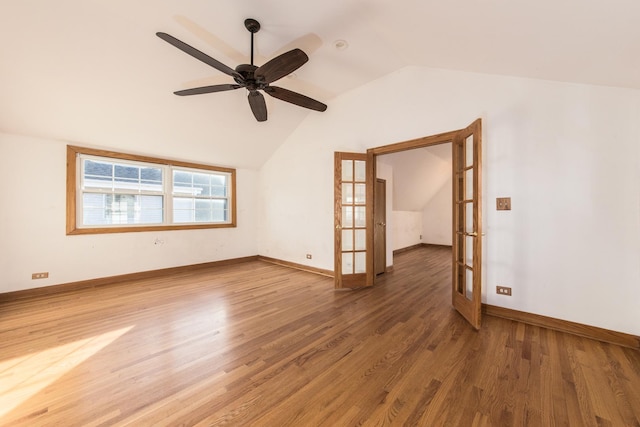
<point>347,263</point>
<point>360,220</point>
<point>468,240</point>
<point>100,171</point>
<point>360,262</point>
<point>468,146</point>
<point>202,184</point>
<point>219,185</point>
<point>469,284</point>
<point>126,173</point>
<point>199,210</point>
<point>468,184</point>
<point>347,170</point>
<point>183,210</point>
<point>115,176</point>
<point>199,184</point>
<point>151,179</point>
<point>347,193</point>
<point>347,240</point>
<point>126,190</point>
<point>201,197</point>
<point>468,218</point>
<point>182,182</point>
<point>360,194</point>
<point>347,217</point>
<point>361,170</point>
<point>111,209</point>
<point>361,240</point>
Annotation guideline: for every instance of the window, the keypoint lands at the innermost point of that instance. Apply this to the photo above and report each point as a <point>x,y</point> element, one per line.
<point>114,192</point>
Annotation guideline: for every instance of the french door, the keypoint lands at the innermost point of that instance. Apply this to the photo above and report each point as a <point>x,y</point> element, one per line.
<point>354,217</point>
<point>353,262</point>
<point>467,223</point>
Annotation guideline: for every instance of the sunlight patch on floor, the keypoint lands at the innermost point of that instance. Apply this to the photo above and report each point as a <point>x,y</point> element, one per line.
<point>23,377</point>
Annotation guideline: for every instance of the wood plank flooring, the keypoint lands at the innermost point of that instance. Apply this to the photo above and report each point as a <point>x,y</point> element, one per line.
<point>257,344</point>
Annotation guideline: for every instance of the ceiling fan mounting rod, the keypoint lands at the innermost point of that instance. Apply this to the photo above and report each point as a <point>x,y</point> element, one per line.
<point>253,26</point>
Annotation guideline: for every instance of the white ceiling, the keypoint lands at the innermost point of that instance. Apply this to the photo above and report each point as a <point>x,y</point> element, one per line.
<point>93,72</point>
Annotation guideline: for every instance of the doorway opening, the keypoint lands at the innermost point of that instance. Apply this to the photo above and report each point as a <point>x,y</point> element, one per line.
<point>418,202</point>
<point>466,224</point>
<point>355,221</point>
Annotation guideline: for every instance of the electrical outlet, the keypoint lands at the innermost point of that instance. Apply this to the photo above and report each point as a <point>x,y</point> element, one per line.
<point>40,275</point>
<point>309,256</point>
<point>503,290</point>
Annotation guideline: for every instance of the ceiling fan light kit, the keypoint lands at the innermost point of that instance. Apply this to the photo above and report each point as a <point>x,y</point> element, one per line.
<point>251,77</point>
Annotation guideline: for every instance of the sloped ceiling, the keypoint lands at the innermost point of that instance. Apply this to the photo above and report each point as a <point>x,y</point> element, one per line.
<point>418,175</point>
<point>93,72</point>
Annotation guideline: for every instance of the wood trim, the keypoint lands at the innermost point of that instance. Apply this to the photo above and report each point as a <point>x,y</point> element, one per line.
<point>296,266</point>
<point>435,245</point>
<point>425,141</point>
<point>420,245</point>
<point>105,230</point>
<point>587,331</point>
<point>358,279</point>
<point>337,218</point>
<point>72,171</point>
<point>369,217</point>
<point>83,284</point>
<point>148,159</point>
<point>408,248</point>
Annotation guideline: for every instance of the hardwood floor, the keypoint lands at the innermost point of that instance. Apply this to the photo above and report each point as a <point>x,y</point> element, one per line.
<point>257,344</point>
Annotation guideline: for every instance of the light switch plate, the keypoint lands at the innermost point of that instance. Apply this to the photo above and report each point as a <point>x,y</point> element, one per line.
<point>503,203</point>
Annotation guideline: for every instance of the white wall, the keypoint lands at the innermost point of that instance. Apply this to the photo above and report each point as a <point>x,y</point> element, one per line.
<point>32,226</point>
<point>422,182</point>
<point>437,216</point>
<point>407,229</point>
<point>568,155</point>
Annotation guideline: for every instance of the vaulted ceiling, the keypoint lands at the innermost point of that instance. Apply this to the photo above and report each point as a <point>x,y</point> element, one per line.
<point>94,73</point>
<point>419,175</point>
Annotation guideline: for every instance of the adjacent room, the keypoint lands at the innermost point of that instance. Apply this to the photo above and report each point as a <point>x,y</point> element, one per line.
<point>338,213</point>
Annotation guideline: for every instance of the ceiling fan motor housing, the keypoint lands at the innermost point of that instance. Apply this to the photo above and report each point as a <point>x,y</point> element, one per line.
<point>247,71</point>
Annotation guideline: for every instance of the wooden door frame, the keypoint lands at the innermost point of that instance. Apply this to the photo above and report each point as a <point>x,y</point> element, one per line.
<point>372,153</point>
<point>384,233</point>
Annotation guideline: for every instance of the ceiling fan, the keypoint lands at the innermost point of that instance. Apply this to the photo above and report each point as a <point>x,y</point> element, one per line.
<point>252,77</point>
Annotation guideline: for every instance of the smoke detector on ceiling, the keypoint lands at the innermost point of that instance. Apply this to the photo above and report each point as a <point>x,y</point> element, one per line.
<point>340,44</point>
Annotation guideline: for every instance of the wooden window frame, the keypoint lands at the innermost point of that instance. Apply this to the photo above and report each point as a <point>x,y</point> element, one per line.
<point>72,226</point>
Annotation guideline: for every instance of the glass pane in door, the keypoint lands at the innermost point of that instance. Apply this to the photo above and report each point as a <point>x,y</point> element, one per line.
<point>351,222</point>
<point>360,262</point>
<point>347,240</point>
<point>347,170</point>
<point>360,171</point>
<point>468,218</point>
<point>469,284</point>
<point>468,151</point>
<point>347,263</point>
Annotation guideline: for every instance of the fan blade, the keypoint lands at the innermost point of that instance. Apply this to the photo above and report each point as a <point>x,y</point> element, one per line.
<point>198,54</point>
<point>258,106</point>
<point>207,89</point>
<point>281,65</point>
<point>295,98</point>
